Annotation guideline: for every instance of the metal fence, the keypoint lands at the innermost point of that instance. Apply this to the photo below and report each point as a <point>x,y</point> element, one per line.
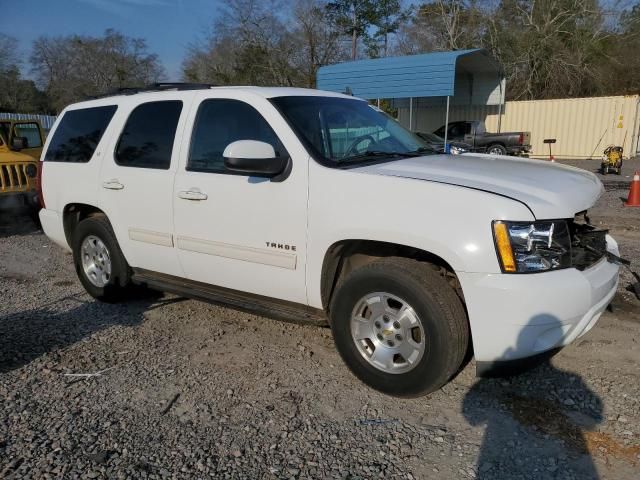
<point>45,120</point>
<point>583,127</point>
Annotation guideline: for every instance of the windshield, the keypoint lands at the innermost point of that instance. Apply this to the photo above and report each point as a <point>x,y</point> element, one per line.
<point>4,132</point>
<point>343,131</point>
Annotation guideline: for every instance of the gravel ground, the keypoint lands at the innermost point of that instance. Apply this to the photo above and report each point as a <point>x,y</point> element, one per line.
<point>183,389</point>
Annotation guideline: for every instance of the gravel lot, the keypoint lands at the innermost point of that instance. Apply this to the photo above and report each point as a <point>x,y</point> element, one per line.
<point>184,389</point>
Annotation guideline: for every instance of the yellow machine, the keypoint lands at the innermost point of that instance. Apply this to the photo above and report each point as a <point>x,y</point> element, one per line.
<point>20,148</point>
<point>612,160</point>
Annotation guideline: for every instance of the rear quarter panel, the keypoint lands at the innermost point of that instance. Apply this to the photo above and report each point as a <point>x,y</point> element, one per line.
<point>64,183</point>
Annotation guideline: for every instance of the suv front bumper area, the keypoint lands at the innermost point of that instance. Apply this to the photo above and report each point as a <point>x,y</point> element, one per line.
<point>520,317</point>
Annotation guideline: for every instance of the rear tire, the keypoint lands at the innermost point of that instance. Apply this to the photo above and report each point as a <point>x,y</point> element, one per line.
<point>410,286</point>
<point>99,262</point>
<point>496,149</point>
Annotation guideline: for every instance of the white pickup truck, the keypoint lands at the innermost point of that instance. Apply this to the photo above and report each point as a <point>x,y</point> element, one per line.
<point>310,206</point>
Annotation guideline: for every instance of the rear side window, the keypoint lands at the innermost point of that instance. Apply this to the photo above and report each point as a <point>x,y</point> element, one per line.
<point>78,134</point>
<point>220,122</point>
<point>147,138</point>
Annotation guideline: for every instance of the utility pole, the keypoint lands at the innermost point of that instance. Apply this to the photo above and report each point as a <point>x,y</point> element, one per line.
<point>354,37</point>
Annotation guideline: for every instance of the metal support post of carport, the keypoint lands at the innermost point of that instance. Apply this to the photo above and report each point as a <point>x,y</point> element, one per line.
<point>411,114</point>
<point>446,126</point>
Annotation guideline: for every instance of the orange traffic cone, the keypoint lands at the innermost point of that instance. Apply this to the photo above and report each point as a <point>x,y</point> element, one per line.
<point>633,200</point>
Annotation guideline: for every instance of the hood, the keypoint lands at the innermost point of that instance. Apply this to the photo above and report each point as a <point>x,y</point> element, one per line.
<point>550,190</point>
<point>10,156</point>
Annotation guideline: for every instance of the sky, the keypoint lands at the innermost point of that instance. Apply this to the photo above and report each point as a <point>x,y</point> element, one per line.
<point>169,26</point>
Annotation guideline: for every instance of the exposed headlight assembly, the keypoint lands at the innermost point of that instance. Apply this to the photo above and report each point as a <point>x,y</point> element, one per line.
<point>525,247</point>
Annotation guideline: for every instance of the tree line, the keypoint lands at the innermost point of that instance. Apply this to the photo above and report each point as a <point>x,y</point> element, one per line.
<point>548,48</point>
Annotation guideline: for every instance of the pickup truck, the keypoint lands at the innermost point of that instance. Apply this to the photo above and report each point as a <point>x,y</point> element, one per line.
<point>311,206</point>
<point>475,134</point>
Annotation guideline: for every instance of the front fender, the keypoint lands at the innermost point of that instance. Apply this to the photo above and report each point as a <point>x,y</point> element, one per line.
<point>451,222</point>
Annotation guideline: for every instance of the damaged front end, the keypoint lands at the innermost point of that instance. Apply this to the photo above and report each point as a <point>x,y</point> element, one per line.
<point>589,246</point>
<point>588,243</point>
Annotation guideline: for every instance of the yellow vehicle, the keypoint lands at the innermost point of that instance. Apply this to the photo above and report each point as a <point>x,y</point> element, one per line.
<point>612,160</point>
<point>21,144</point>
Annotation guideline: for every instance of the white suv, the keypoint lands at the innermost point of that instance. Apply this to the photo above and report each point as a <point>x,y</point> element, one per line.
<point>311,206</point>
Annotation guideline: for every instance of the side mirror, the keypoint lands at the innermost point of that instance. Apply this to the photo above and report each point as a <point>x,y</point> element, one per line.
<point>18,143</point>
<point>254,158</point>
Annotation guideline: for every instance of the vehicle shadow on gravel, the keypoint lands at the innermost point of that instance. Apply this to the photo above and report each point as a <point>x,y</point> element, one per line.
<point>15,220</point>
<point>539,424</point>
<point>29,334</point>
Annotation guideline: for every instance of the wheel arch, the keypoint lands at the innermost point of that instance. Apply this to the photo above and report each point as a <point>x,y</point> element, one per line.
<point>345,255</point>
<point>73,214</point>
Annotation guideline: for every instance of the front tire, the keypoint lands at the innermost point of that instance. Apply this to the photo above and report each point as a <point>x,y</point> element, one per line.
<point>399,326</point>
<point>99,262</point>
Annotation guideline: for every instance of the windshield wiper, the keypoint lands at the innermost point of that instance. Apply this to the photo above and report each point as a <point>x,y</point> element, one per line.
<point>377,153</point>
<point>422,150</point>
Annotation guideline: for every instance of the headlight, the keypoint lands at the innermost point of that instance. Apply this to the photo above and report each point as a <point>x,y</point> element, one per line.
<point>31,170</point>
<point>456,150</point>
<point>525,247</point>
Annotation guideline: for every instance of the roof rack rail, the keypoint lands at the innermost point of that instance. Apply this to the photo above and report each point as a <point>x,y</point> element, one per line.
<point>155,87</point>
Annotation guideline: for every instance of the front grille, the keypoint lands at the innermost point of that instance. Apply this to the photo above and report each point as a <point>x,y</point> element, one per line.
<point>13,178</point>
<point>588,244</point>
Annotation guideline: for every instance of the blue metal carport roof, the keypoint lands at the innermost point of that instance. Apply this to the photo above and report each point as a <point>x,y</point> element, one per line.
<point>425,75</point>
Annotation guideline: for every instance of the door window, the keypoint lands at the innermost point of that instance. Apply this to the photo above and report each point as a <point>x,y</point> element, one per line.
<point>147,138</point>
<point>30,132</point>
<point>220,122</point>
<point>78,134</point>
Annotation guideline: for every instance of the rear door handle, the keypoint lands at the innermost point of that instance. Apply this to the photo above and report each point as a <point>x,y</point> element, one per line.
<point>112,184</point>
<point>192,195</point>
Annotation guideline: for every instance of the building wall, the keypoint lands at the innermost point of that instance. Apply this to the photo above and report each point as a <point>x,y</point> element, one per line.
<point>45,120</point>
<point>582,127</point>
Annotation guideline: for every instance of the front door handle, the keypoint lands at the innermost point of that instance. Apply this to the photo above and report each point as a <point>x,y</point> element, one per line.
<point>192,195</point>
<point>112,184</point>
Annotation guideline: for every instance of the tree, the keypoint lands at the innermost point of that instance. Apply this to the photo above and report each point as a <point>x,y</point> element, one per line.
<point>74,67</point>
<point>354,17</point>
<point>550,48</point>
<point>621,73</point>
<point>317,37</point>
<point>389,15</point>
<point>9,57</point>
<point>16,93</point>
<point>251,44</point>
<point>248,45</point>
<point>445,25</point>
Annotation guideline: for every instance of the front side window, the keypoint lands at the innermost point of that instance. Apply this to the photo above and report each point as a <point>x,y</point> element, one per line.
<point>78,134</point>
<point>147,138</point>
<point>30,132</point>
<point>342,131</point>
<point>220,122</point>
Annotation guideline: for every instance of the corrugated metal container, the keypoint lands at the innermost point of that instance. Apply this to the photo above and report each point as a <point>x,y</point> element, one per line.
<point>582,127</point>
<point>45,120</point>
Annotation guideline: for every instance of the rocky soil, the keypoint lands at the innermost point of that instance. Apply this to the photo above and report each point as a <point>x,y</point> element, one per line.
<point>164,387</point>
